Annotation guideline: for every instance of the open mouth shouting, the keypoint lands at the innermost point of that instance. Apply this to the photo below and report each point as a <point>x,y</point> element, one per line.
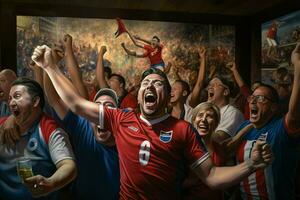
<point>203,128</point>
<point>253,112</point>
<point>150,99</point>
<point>102,134</point>
<point>210,94</point>
<point>15,111</point>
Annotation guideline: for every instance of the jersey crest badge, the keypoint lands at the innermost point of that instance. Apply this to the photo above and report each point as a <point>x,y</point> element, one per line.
<point>32,144</point>
<point>165,136</point>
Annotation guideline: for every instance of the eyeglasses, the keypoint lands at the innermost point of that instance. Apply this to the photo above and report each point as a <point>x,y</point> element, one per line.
<point>258,98</point>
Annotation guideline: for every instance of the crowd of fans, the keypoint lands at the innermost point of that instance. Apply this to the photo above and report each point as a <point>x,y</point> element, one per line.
<point>108,138</point>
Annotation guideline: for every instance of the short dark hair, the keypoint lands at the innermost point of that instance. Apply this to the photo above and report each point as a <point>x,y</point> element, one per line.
<point>121,79</point>
<point>227,82</point>
<point>153,70</point>
<point>33,88</point>
<point>273,92</point>
<point>155,37</point>
<point>184,85</point>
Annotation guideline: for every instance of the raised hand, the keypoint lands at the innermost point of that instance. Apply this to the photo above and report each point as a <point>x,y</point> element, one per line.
<point>43,57</point>
<point>39,186</point>
<point>32,65</point>
<point>103,50</point>
<point>202,52</point>
<point>295,58</point>
<point>261,155</point>
<point>231,66</point>
<point>57,53</point>
<point>67,41</point>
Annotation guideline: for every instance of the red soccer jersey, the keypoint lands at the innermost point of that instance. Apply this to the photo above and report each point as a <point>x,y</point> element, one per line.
<point>154,54</point>
<point>152,154</point>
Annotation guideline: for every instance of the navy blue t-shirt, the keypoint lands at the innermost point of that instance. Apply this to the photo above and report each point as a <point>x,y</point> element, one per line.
<point>98,165</point>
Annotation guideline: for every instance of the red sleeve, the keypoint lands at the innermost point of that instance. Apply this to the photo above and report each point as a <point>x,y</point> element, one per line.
<point>245,91</point>
<point>48,126</point>
<point>109,118</point>
<point>195,151</point>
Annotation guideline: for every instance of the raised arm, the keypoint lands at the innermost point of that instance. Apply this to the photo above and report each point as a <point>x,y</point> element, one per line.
<point>194,96</point>
<point>43,57</point>
<point>38,73</point>
<point>238,79</point>
<point>133,39</point>
<point>100,75</point>
<point>132,53</point>
<point>142,39</point>
<point>53,99</point>
<point>72,66</point>
<point>224,177</point>
<point>293,115</point>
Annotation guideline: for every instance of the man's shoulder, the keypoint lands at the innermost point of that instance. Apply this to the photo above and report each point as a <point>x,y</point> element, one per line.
<point>47,125</point>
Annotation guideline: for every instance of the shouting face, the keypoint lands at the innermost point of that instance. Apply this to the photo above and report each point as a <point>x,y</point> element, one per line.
<point>176,92</point>
<point>101,135</point>
<point>153,96</point>
<point>262,108</point>
<point>22,105</point>
<point>216,90</point>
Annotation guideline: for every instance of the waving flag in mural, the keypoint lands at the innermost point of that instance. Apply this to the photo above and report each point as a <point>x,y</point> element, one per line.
<point>121,27</point>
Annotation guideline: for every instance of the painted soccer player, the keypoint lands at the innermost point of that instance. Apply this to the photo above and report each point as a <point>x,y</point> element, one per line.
<point>153,147</point>
<point>152,50</point>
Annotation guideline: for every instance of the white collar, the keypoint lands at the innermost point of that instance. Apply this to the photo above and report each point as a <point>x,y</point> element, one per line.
<point>154,121</point>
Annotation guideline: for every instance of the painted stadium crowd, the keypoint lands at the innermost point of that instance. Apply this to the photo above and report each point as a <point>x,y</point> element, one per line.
<point>154,141</point>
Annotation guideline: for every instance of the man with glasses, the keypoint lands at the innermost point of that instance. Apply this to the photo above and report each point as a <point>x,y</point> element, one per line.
<point>219,91</point>
<point>278,180</point>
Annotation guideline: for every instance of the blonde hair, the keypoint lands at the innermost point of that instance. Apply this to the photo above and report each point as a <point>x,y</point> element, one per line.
<point>206,106</point>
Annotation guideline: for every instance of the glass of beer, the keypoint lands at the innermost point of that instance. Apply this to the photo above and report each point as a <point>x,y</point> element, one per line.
<point>24,168</point>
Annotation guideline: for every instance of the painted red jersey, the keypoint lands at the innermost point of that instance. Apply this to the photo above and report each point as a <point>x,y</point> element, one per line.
<point>272,31</point>
<point>153,155</point>
<point>154,54</point>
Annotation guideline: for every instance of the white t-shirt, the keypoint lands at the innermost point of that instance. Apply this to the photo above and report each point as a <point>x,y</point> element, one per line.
<point>231,119</point>
<point>188,113</point>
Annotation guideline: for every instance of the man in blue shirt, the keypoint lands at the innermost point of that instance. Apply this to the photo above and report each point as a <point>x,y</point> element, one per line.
<point>94,149</point>
<point>282,133</point>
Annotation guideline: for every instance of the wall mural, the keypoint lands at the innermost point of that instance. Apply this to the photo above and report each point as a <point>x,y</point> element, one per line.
<point>279,37</point>
<point>181,42</point>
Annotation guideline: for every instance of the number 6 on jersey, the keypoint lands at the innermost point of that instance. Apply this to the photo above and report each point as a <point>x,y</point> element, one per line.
<point>144,153</point>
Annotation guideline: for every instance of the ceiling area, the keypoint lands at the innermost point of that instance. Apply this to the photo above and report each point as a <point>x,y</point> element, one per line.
<point>221,7</point>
